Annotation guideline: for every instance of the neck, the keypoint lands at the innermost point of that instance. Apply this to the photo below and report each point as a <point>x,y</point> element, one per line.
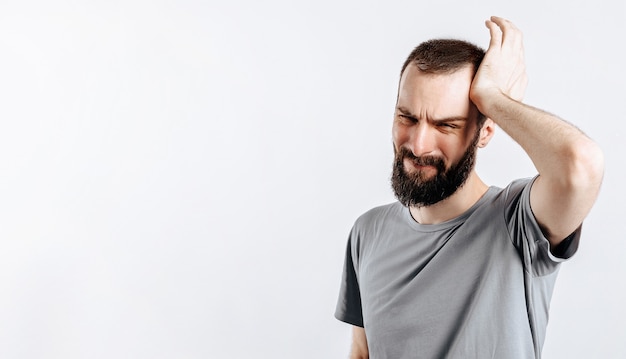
<point>455,205</point>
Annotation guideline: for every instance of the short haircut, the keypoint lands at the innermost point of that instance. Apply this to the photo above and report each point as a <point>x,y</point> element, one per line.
<point>441,56</point>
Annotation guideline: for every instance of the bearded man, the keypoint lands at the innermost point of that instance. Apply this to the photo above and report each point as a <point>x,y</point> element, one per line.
<point>456,268</point>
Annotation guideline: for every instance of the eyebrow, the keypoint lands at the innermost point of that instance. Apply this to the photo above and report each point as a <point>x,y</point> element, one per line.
<point>406,112</point>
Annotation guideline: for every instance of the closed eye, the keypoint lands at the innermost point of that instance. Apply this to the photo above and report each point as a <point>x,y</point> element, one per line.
<point>408,119</point>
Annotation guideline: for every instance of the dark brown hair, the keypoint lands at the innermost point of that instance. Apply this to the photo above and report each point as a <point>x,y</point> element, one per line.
<point>440,56</point>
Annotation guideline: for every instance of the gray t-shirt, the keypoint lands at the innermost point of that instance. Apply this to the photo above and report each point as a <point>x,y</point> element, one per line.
<point>476,286</point>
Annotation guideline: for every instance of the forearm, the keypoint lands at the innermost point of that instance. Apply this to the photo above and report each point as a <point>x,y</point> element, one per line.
<point>559,151</point>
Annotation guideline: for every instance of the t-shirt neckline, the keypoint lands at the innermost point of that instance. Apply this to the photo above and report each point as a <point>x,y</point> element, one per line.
<point>451,222</point>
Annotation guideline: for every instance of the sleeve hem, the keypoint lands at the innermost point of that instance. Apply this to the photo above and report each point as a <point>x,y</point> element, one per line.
<point>349,319</point>
<point>567,248</point>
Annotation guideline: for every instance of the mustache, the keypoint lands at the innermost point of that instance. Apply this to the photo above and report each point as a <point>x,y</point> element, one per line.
<point>434,161</point>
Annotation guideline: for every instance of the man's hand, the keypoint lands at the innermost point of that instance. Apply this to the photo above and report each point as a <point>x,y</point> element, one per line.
<point>503,70</point>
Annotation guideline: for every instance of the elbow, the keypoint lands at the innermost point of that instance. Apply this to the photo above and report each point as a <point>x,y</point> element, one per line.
<point>586,166</point>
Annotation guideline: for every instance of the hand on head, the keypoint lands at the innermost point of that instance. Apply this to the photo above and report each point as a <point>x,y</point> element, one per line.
<point>503,70</point>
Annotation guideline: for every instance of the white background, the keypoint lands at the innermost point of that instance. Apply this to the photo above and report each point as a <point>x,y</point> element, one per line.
<point>178,178</point>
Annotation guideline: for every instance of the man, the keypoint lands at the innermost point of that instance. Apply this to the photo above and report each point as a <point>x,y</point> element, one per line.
<point>455,268</point>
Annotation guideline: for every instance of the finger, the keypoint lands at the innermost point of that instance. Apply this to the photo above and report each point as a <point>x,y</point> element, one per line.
<point>495,33</point>
<point>502,22</point>
<point>510,33</point>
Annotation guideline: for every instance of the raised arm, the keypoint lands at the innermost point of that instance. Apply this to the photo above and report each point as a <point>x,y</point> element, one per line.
<point>570,165</point>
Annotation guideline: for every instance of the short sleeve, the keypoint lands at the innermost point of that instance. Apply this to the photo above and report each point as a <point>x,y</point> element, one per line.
<point>349,308</point>
<point>526,234</point>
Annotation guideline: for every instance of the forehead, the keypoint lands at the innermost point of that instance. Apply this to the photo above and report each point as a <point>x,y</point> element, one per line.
<point>436,95</point>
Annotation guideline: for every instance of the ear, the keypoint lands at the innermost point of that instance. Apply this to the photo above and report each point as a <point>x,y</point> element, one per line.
<point>486,132</point>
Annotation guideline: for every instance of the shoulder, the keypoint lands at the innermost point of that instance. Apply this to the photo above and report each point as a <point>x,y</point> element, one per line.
<point>504,202</point>
<point>374,219</point>
<point>376,223</point>
<point>519,185</point>
<point>380,212</point>
<point>514,191</point>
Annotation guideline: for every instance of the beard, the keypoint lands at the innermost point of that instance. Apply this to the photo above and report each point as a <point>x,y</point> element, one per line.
<point>414,189</point>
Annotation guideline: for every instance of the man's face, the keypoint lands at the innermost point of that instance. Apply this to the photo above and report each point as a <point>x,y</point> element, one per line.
<point>435,135</point>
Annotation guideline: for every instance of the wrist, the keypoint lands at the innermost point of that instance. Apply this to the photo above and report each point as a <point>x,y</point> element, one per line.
<point>488,102</point>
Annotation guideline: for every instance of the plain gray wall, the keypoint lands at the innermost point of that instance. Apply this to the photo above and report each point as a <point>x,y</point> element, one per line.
<point>178,178</point>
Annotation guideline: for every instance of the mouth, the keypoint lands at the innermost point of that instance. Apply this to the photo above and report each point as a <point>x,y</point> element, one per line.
<point>416,166</point>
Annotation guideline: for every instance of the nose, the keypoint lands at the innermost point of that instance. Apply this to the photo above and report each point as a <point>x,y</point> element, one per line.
<point>423,139</point>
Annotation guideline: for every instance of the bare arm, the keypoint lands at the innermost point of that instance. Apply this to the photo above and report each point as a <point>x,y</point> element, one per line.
<point>359,344</point>
<point>570,165</point>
